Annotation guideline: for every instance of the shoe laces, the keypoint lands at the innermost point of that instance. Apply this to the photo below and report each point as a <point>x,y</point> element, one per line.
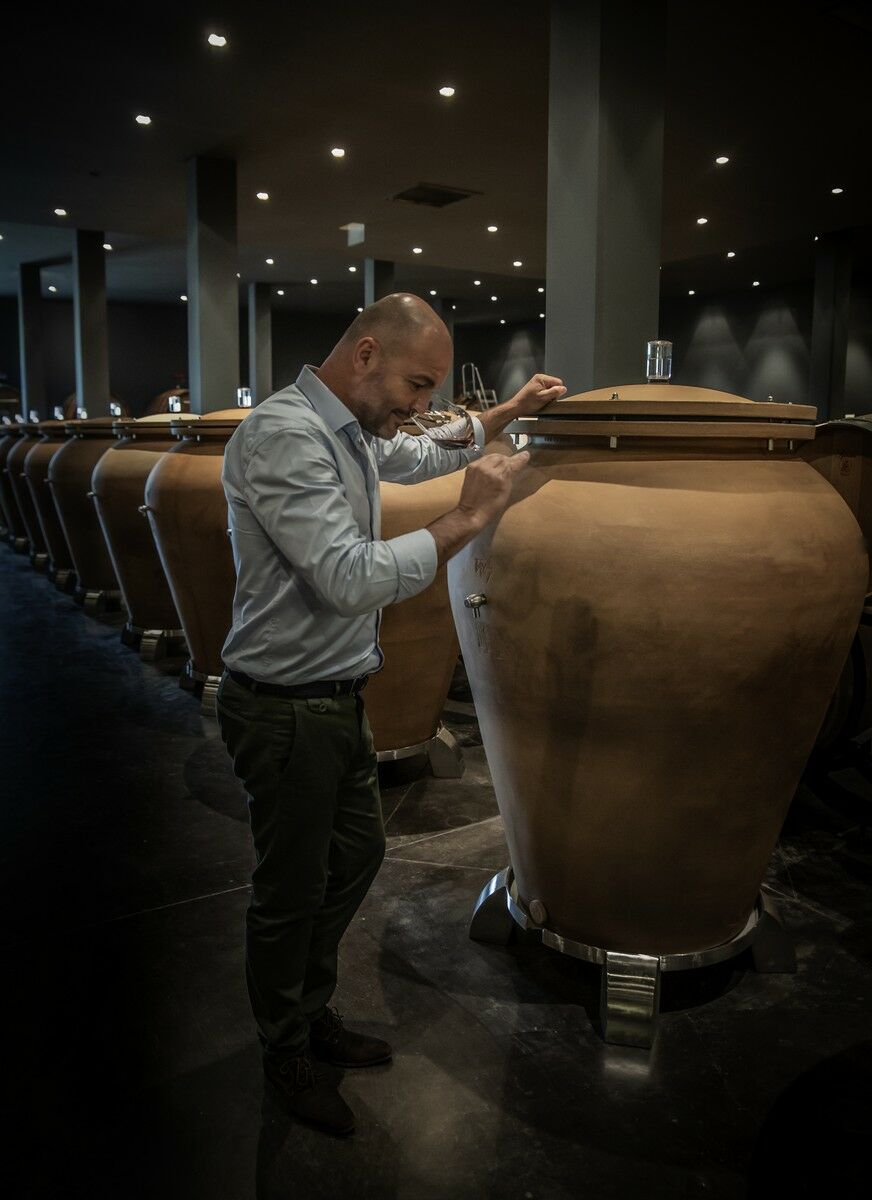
<point>330,1025</point>
<point>303,1071</point>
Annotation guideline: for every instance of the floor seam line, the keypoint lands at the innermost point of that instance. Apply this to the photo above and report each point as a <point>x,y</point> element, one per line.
<point>424,862</point>
<point>429,837</point>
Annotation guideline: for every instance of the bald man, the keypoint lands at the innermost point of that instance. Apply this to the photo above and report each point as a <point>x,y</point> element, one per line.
<point>301,478</point>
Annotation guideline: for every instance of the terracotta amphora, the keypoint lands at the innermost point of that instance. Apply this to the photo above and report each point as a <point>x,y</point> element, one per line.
<point>15,468</point>
<point>118,484</point>
<point>405,699</point>
<point>16,533</point>
<point>52,436</point>
<point>187,511</point>
<point>842,453</point>
<point>69,475</point>
<point>652,632</point>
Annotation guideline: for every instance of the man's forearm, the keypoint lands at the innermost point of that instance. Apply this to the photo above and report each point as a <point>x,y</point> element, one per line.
<point>494,420</point>
<point>452,531</point>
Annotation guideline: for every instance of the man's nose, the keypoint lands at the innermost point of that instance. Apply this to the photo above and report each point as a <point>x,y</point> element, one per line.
<point>421,404</point>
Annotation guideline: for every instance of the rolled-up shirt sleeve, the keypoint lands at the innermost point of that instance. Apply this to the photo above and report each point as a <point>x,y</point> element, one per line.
<point>293,489</point>
<point>410,459</point>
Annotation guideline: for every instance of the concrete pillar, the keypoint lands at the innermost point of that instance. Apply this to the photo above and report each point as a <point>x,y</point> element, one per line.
<point>213,290</point>
<point>378,279</point>
<point>605,183</point>
<point>30,340</point>
<point>829,330</point>
<point>259,341</point>
<point>90,322</point>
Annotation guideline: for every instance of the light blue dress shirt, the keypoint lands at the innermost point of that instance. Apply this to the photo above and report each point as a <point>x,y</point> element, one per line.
<point>312,572</point>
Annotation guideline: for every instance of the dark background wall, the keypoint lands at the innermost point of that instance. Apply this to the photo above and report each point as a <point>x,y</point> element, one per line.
<point>754,344</point>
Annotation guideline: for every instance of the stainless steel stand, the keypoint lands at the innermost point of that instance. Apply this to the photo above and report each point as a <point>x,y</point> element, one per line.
<point>209,698</point>
<point>99,602</point>
<point>443,751</point>
<point>39,561</point>
<point>21,545</point>
<point>65,579</point>
<point>160,643</point>
<point>630,983</point>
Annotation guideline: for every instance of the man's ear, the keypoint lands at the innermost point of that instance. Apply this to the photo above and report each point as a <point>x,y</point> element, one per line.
<point>366,352</point>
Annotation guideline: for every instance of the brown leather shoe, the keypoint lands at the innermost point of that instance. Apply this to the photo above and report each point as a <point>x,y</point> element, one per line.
<point>333,1043</point>
<point>307,1095</point>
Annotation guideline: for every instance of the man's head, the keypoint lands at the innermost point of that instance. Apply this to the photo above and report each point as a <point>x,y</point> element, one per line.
<point>387,363</point>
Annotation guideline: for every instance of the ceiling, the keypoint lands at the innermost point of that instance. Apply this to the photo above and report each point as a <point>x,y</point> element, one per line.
<point>780,88</point>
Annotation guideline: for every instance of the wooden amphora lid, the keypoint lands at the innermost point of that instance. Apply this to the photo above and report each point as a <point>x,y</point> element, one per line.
<point>668,411</point>
<point>157,427</point>
<point>211,427</point>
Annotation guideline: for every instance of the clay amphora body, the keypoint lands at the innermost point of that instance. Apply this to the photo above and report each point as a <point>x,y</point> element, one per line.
<point>663,612</point>
<point>16,532</point>
<point>405,699</point>
<point>18,485</point>
<point>52,437</point>
<point>188,515</point>
<point>69,476</point>
<point>118,484</point>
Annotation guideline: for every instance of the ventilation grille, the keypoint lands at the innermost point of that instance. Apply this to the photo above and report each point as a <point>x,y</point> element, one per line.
<point>433,194</point>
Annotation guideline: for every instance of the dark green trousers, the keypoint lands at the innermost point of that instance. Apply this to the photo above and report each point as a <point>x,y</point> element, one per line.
<point>309,769</point>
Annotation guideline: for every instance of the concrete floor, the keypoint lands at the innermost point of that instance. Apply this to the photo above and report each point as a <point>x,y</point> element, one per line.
<point>133,1064</point>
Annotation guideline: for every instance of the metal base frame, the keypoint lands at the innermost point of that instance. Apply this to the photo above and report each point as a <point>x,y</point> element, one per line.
<point>209,696</point>
<point>65,579</point>
<point>630,983</point>
<point>96,602</point>
<point>161,643</point>
<point>131,635</point>
<point>39,561</point>
<point>20,545</point>
<point>443,751</point>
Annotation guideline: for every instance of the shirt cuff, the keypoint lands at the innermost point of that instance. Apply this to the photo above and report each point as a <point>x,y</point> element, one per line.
<point>416,559</point>
<point>479,431</point>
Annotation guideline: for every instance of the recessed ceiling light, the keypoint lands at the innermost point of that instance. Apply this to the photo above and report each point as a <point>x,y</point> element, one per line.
<point>338,152</point>
<point>540,290</point>
<point>417,250</point>
<point>280,291</point>
<point>722,160</point>
<point>269,262</point>
<point>60,212</point>
<point>502,320</point>
<point>313,281</point>
<point>542,316</point>
<point>216,39</point>
<point>447,90</point>
<point>476,283</point>
<point>185,298</point>
<point>492,228</point>
<point>107,246</point>
<point>238,276</point>
<point>494,297</point>
<point>815,237</point>
<point>1,237</point>
<point>360,310</point>
<point>517,263</point>
<point>731,254</point>
<point>262,195</point>
<point>454,308</point>
<point>691,292</point>
<point>142,119</point>
<point>702,220</point>
<point>756,283</point>
<point>432,291</point>
<point>838,191</point>
<point>353,270</point>
<point>52,288</point>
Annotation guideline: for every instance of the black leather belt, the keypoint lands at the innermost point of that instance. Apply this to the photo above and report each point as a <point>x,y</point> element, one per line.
<point>302,691</point>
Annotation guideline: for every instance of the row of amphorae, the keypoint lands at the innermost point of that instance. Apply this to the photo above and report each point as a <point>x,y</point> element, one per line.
<point>652,631</point>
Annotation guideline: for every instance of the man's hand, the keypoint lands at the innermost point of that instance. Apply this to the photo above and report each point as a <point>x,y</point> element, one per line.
<point>533,396</point>
<point>487,487</point>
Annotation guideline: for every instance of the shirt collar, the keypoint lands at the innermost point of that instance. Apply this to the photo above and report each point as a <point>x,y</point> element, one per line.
<point>328,406</point>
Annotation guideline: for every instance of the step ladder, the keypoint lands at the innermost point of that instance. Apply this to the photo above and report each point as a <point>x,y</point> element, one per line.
<point>472,388</point>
